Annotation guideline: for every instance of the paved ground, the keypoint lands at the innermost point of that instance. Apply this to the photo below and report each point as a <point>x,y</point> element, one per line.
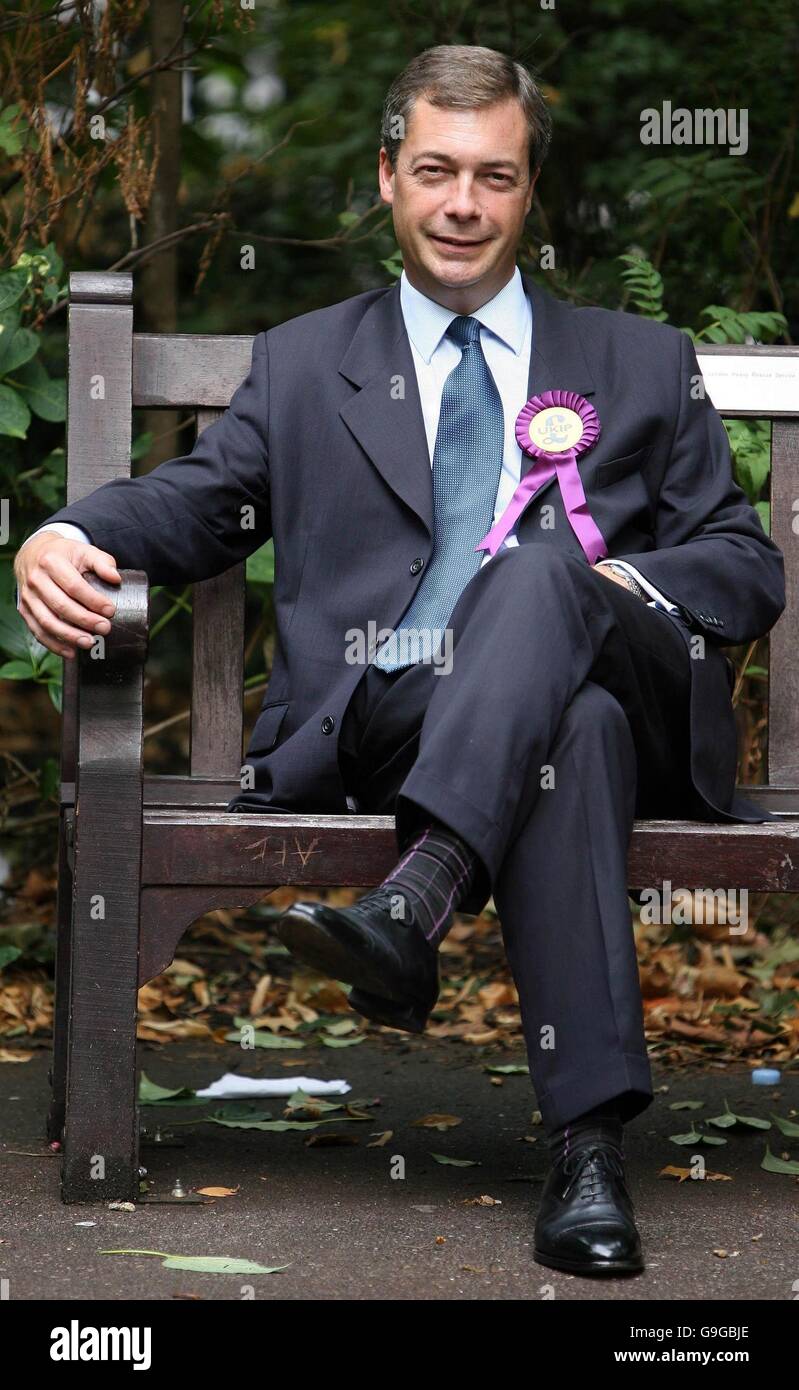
<point>346,1229</point>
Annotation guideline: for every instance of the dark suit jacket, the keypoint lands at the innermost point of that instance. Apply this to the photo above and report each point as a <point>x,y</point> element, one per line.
<point>324,443</point>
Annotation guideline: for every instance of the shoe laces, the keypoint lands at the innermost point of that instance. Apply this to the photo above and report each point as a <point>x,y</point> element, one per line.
<point>381,897</point>
<point>589,1168</point>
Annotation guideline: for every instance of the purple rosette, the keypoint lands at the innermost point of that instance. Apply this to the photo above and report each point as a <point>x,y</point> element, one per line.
<point>569,437</point>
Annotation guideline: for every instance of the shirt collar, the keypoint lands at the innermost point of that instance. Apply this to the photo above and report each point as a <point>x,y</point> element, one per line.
<point>427,321</point>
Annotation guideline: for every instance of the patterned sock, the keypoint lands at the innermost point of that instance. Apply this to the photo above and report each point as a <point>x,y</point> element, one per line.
<point>434,876</point>
<point>603,1125</point>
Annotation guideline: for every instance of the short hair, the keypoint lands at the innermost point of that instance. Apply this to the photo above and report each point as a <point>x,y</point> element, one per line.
<point>465,76</point>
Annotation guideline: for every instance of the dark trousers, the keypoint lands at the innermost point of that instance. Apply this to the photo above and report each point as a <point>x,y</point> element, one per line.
<point>564,716</point>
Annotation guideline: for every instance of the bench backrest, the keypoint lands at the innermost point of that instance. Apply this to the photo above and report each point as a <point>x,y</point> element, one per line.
<point>200,372</point>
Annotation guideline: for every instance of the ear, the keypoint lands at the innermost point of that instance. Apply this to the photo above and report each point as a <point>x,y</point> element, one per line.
<point>531,188</point>
<point>385,176</point>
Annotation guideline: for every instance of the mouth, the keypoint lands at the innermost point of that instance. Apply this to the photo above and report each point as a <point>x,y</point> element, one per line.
<point>451,243</point>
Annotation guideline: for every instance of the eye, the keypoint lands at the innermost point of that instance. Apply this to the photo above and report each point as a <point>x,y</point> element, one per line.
<point>502,178</point>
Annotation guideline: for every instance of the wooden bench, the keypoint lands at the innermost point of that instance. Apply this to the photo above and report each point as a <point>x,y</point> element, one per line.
<point>161,851</point>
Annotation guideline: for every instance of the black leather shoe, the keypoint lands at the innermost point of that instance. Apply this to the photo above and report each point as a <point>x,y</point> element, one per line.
<point>392,968</point>
<point>585,1222</point>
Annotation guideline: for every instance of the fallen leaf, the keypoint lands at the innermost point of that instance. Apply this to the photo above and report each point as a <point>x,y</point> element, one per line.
<point>509,1069</point>
<point>730,1117</point>
<point>203,1264</point>
<point>695,1136</point>
<point>684,1173</point>
<point>184,967</point>
<point>258,1038</point>
<point>786,1126</point>
<point>259,995</point>
<point>341,1027</point>
<point>456,1162</point>
<point>441,1122</point>
<point>492,995</point>
<point>773,1164</point>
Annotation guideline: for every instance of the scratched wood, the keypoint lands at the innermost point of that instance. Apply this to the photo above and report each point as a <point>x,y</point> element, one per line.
<point>327,851</point>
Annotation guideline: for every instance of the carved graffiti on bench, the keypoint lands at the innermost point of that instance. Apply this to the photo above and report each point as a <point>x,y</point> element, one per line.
<point>281,850</point>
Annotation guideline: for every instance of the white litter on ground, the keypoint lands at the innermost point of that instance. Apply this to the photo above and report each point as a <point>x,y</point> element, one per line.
<point>232,1087</point>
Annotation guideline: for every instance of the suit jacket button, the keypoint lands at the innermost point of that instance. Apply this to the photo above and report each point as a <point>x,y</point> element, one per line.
<point>328,724</point>
<point>416,565</point>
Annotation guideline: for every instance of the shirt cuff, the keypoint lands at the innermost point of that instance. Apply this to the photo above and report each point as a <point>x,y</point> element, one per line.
<point>647,587</point>
<point>67,529</point>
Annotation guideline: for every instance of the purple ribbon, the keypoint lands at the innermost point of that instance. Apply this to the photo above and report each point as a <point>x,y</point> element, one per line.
<point>547,464</point>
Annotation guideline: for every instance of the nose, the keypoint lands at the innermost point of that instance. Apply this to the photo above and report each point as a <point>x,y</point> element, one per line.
<point>461,201</point>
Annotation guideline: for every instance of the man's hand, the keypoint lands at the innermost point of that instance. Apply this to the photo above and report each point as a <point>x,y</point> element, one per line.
<point>59,606</point>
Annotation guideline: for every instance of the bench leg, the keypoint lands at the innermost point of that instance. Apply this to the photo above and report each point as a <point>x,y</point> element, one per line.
<point>101,1138</point>
<point>101,1162</point>
<point>58,1071</point>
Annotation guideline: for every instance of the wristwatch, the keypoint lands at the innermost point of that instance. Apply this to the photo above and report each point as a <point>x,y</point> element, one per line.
<point>631,583</point>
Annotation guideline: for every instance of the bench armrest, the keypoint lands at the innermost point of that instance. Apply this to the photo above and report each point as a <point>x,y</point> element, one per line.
<point>126,643</point>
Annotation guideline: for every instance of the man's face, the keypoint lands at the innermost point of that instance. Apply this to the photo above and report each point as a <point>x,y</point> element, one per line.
<point>460,194</point>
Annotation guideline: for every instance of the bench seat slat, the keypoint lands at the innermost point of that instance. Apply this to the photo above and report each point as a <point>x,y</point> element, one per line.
<point>182,847</point>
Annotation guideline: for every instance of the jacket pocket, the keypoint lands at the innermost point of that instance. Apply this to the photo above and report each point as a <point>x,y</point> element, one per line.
<point>615,469</point>
<point>267,727</point>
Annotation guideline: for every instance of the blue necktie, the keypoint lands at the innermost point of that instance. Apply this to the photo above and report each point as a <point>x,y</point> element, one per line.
<point>467,461</point>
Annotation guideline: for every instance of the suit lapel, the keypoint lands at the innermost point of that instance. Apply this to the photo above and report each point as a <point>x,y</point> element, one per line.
<point>385,417</point>
<point>557,361</point>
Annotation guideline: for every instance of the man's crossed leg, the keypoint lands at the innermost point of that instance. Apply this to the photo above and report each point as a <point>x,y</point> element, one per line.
<point>518,774</point>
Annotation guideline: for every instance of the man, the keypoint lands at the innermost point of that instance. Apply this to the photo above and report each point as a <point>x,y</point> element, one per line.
<point>514,706</point>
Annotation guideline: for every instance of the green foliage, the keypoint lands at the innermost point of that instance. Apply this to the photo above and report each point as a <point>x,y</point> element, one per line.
<point>750,440</point>
<point>261,565</point>
<point>644,285</point>
<point>28,395</point>
<point>14,134</point>
<point>393,264</point>
<point>731,326</point>
<point>28,289</point>
<point>28,659</point>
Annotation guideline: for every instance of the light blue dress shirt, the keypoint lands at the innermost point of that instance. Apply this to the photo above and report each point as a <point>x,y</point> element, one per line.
<point>506,337</point>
